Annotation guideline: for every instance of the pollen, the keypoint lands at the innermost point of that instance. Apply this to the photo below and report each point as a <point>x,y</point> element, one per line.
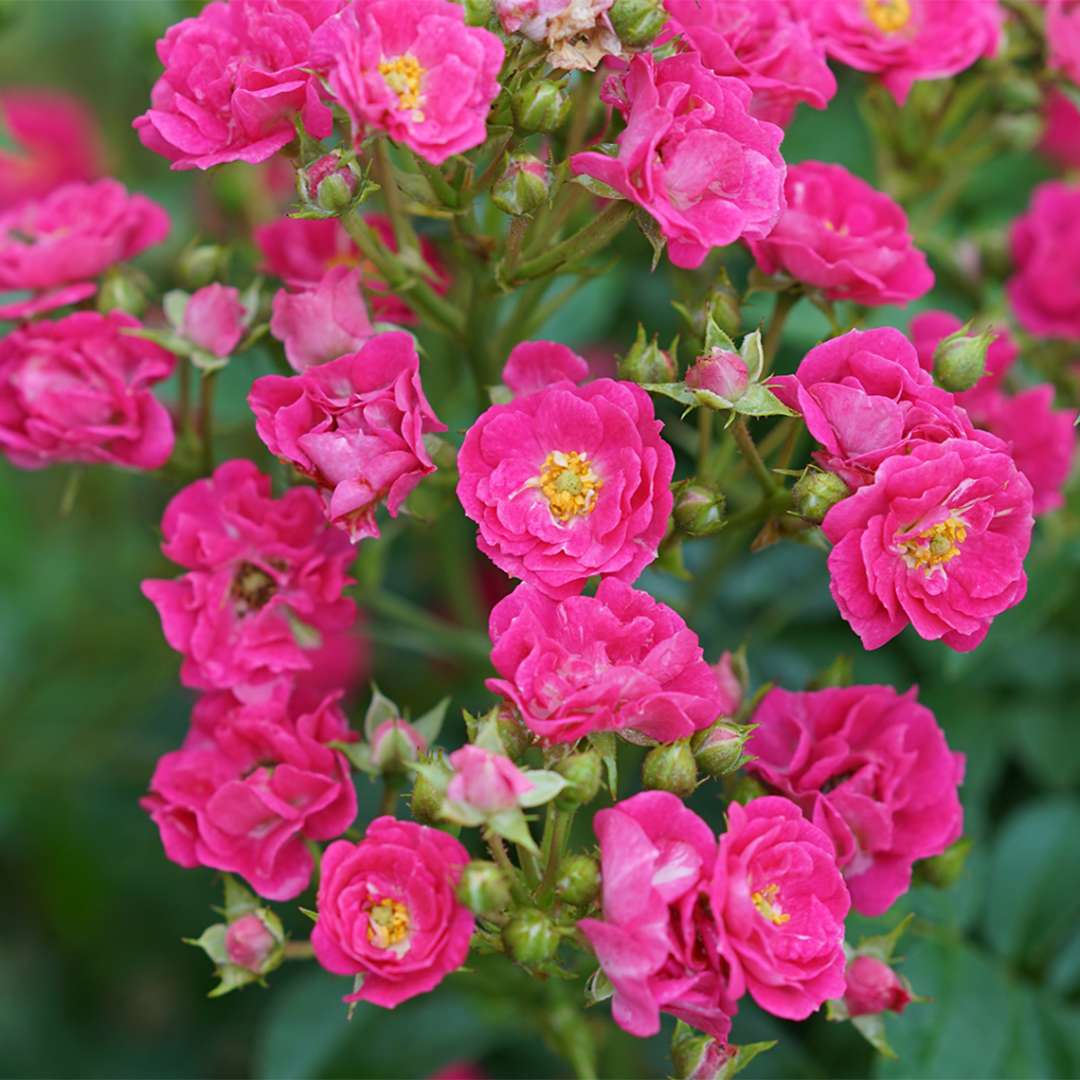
<point>252,588</point>
<point>569,484</point>
<point>766,903</point>
<point>891,16</point>
<point>403,75</point>
<point>388,923</point>
<point>935,546</point>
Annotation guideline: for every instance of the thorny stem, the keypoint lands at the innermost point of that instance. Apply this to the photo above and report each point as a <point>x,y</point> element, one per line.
<point>749,451</point>
<point>384,171</point>
<point>298,950</point>
<point>601,230</point>
<point>206,419</point>
<point>785,301</point>
<point>513,878</point>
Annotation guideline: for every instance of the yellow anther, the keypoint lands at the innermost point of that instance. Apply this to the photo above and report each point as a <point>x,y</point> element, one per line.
<point>765,901</point>
<point>935,546</point>
<point>388,923</point>
<point>889,15</point>
<point>569,484</point>
<point>403,74</point>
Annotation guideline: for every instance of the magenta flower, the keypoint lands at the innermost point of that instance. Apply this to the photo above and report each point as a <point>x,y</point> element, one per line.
<point>768,44</point>
<point>871,768</point>
<point>215,319</point>
<point>388,913</point>
<point>1061,138</point>
<point>355,426</point>
<point>617,661</point>
<point>844,237</point>
<point>533,365</point>
<point>70,236</point>
<point>263,592</point>
<point>937,540</point>
<point>568,482</point>
<point>79,390</point>
<point>873,987</point>
<point>657,941</point>
<point>250,784</point>
<point>1063,37</point>
<point>485,781</point>
<point>691,155</point>
<point>415,71</point>
<point>905,41</point>
<point>779,902</point>
<point>236,77</point>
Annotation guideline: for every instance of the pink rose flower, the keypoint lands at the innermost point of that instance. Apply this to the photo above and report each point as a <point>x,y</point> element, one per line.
<point>73,234</point>
<point>341,662</point>
<point>905,41</point>
<point>937,540</point>
<point>616,661</point>
<point>731,689</point>
<point>415,71</point>
<point>388,913</point>
<point>320,324</point>
<point>460,1070</point>
<point>1045,288</point>
<point>485,781</point>
<point>873,987</point>
<point>249,943</point>
<point>1063,37</point>
<point>249,785</point>
<point>355,426</point>
<point>568,482</point>
<point>691,155</point>
<point>1061,138</point>
<point>264,585</point>
<point>657,942</point>
<point>871,768</point>
<point>866,399</point>
<point>236,77</point>
<point>215,319</point>
<point>779,902</point>
<point>844,237</point>
<point>533,365</point>
<point>767,43</point>
<point>78,389</point>
<point>56,142</point>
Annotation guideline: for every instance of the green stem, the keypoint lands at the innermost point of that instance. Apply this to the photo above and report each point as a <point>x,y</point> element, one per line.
<point>704,452</point>
<point>513,875</point>
<point>785,301</point>
<point>749,451</point>
<point>760,511</point>
<point>601,230</point>
<point>444,192</point>
<point>456,640</point>
<point>185,394</point>
<point>298,950</point>
<point>384,173</point>
<point>206,419</point>
<point>560,832</point>
<point>388,802</point>
<point>518,227</point>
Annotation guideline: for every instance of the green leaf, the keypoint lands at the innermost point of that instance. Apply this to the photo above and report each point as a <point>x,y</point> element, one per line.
<point>651,231</point>
<point>753,355</point>
<point>743,1056</point>
<point>603,742</point>
<point>546,785</point>
<point>212,942</point>
<point>430,724</point>
<point>677,391</point>
<point>239,900</point>
<point>758,400</point>
<point>174,303</point>
<point>715,338</point>
<point>511,825</point>
<point>872,1029</point>
<point>378,712</point>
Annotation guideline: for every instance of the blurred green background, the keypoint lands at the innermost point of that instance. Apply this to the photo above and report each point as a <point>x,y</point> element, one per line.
<point>94,980</point>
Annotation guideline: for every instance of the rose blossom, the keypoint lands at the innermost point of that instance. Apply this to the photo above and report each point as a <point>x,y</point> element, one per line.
<point>578,33</point>
<point>691,155</point>
<point>616,661</point>
<point>873,987</point>
<point>844,237</point>
<point>78,389</point>
<point>780,903</point>
<point>905,41</point>
<point>656,941</point>
<point>767,43</point>
<point>532,365</point>
<point>249,785</point>
<point>356,426</point>
<point>937,540</point>
<point>72,235</point>
<point>264,585</point>
<point>485,781</point>
<point>215,319</point>
<point>1063,38</point>
<point>388,913</point>
<point>1061,138</point>
<point>415,71</point>
<point>568,482</point>
<point>236,77</point>
<point>871,768</point>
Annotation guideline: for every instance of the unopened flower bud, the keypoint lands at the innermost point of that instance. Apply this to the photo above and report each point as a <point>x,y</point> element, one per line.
<point>541,105</point>
<point>696,1056</point>
<point>646,362</point>
<point>530,937</point>
<point>395,744</point>
<point>483,888</point>
<point>513,733</point>
<point>721,373</point>
<point>723,306</point>
<point>873,987</point>
<point>671,767</point>
<point>121,291</point>
<point>582,775</point>
<point>523,186</point>
<point>960,360</point>
<point>254,943</point>
<point>429,791</point>
<point>202,264</point>
<point>327,184</point>
<point>699,508</point>
<point>579,880</point>
<point>944,870</point>
<point>637,22</point>
<point>816,492</point>
<point>721,749</point>
<point>478,12</point>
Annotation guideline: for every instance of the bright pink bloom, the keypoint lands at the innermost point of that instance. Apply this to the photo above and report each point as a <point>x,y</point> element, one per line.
<point>264,587</point>
<point>1063,37</point>
<point>722,373</point>
<point>236,77</point>
<point>249,943</point>
<point>56,142</point>
<point>731,689</point>
<point>341,662</point>
<point>355,425</point>
<point>865,398</point>
<point>937,540</point>
<point>71,235</point>
<point>766,43</point>
<point>532,365</point>
<point>215,319</point>
<point>1045,289</point>
<point>460,1070</point>
<point>485,781</point>
<point>905,41</point>
<point>617,661</point>
<point>79,390</point>
<point>415,71</point>
<point>844,237</point>
<point>692,155</point>
<point>1061,138</point>
<point>320,324</point>
<point>780,903</point>
<point>871,768</point>
<point>568,482</point>
<point>873,987</point>
<point>657,941</point>
<point>250,784</point>
<point>388,913</point>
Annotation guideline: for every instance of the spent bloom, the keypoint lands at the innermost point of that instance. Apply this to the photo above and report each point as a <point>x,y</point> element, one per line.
<point>577,33</point>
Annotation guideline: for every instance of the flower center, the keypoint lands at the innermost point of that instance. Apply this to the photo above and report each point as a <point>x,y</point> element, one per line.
<point>889,15</point>
<point>251,588</point>
<point>388,923</point>
<point>766,903</point>
<point>569,484</point>
<point>403,75</point>
<point>935,546</point>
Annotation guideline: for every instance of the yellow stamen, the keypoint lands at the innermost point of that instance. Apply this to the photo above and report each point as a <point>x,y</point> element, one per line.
<point>889,15</point>
<point>388,923</point>
<point>934,546</point>
<point>569,484</point>
<point>403,75</point>
<point>765,901</point>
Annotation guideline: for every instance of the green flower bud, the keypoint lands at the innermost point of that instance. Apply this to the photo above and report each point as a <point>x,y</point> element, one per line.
<point>121,291</point>
<point>646,362</point>
<point>540,105</point>
<point>523,187</point>
<point>699,508</point>
<point>723,306</point>
<point>202,264</point>
<point>515,736</point>
<point>721,749</point>
<point>530,937</point>
<point>671,767</point>
<point>637,22</point>
<point>816,492</point>
<point>429,790</point>
<point>960,359</point>
<point>483,888</point>
<point>696,1056</point>
<point>582,773</point>
<point>335,193</point>
<point>478,12</point>
<point>578,882</point>
<point>945,870</point>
